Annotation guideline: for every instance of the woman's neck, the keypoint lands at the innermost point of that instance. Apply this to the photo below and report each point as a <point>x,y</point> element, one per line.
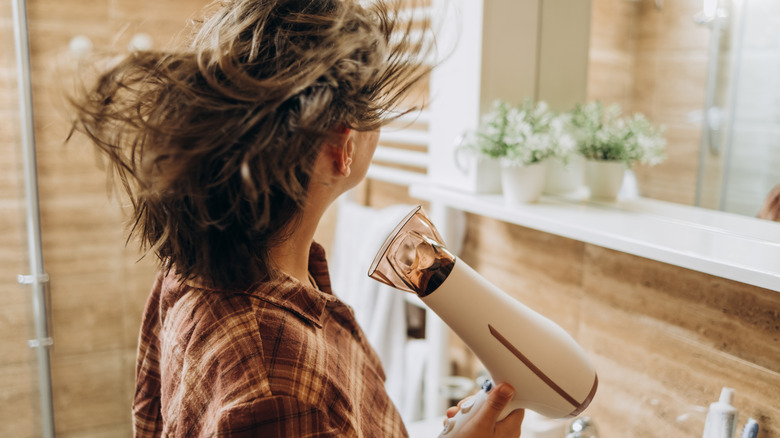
<point>292,255</point>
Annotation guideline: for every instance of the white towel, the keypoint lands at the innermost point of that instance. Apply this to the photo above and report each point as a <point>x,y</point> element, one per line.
<point>379,309</point>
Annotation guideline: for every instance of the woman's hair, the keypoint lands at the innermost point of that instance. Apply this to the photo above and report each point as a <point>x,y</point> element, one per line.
<point>215,143</point>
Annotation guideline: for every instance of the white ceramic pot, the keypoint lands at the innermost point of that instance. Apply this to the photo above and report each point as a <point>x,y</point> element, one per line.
<point>522,184</point>
<point>564,178</point>
<point>604,178</point>
<point>488,179</point>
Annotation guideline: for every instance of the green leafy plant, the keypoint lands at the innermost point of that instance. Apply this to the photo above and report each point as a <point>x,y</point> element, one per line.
<point>603,135</point>
<point>522,135</point>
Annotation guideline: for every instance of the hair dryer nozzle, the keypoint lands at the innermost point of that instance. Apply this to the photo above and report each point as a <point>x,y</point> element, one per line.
<point>413,258</point>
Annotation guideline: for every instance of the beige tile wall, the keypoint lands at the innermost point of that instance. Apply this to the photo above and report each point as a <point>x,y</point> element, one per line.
<point>98,289</point>
<point>664,339</point>
<point>654,62</point>
<point>612,52</point>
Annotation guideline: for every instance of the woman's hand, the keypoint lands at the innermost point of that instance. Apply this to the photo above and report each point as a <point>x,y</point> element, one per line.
<point>483,420</point>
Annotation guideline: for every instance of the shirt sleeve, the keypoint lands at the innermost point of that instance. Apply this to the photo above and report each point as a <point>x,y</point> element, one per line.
<point>276,416</point>
<point>147,419</point>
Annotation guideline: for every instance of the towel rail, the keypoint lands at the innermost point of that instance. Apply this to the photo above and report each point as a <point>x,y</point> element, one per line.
<point>423,117</point>
<point>410,137</point>
<point>392,155</point>
<point>395,176</point>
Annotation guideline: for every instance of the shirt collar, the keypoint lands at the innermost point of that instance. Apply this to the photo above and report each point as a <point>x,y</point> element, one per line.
<point>299,298</point>
<point>289,293</point>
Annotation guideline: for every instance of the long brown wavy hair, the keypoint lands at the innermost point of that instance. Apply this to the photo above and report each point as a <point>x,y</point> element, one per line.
<point>214,143</point>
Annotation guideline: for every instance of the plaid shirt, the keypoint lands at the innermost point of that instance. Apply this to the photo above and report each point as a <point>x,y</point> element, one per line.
<point>278,360</point>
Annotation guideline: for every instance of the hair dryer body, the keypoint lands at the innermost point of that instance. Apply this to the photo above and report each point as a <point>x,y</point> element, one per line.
<point>517,345</point>
<point>551,373</point>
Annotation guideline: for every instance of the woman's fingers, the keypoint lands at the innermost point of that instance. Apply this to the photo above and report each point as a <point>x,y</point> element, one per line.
<point>452,410</point>
<point>480,414</point>
<point>497,400</point>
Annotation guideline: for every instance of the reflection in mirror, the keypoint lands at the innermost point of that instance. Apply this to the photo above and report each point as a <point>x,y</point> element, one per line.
<point>708,70</point>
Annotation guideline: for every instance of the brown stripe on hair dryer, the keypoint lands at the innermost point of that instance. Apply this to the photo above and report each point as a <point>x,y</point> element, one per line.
<point>550,372</point>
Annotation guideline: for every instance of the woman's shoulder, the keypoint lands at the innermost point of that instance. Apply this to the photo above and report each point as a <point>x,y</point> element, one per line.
<point>246,319</point>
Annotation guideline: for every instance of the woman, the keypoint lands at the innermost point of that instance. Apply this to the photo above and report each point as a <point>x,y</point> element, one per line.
<point>230,152</point>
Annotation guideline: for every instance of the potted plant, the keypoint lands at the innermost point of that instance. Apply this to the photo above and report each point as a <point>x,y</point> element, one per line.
<point>611,144</point>
<point>521,138</point>
<point>565,165</point>
<point>486,146</point>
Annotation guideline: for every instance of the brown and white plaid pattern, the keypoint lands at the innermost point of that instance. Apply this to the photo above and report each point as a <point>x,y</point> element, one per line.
<point>279,360</point>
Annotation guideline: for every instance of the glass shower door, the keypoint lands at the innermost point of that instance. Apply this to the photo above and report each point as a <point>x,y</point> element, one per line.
<point>740,152</point>
<point>25,402</point>
<point>753,156</point>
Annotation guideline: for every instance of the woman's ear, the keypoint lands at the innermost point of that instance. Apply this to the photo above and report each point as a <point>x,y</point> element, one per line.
<point>343,153</point>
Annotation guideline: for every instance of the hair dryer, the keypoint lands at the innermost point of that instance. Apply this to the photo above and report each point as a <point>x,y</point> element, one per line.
<point>550,372</point>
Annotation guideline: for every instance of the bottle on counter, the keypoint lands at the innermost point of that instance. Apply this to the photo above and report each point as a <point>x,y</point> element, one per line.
<point>721,419</point>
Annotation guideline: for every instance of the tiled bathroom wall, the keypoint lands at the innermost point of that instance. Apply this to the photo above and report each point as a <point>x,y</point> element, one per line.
<point>98,285</point>
<point>654,61</point>
<point>664,339</point>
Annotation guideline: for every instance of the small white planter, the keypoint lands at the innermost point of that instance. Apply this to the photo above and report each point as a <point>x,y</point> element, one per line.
<point>488,179</point>
<point>604,178</point>
<point>564,178</point>
<point>522,184</point>
<point>470,172</point>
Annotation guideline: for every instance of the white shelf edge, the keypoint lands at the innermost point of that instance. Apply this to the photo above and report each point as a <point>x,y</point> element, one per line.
<point>579,221</point>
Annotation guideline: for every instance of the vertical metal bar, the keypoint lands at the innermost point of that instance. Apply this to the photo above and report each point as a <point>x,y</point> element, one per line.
<point>713,77</point>
<point>738,35</point>
<point>710,141</point>
<point>42,341</point>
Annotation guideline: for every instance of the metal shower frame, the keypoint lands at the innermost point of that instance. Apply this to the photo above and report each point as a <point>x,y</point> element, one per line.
<point>37,277</point>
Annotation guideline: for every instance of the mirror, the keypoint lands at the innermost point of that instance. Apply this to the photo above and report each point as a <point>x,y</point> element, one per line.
<point>708,70</point>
